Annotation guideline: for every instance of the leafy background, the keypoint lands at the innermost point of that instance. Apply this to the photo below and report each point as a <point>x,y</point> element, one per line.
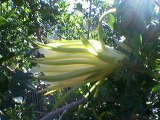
<point>128,94</point>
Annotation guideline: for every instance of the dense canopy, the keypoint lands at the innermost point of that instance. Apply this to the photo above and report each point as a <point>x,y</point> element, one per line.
<point>82,59</point>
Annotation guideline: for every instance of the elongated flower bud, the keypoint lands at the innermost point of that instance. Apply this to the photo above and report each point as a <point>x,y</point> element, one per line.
<point>74,62</point>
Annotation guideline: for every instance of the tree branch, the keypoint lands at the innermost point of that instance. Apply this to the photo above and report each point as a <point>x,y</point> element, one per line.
<point>59,111</point>
<point>7,68</point>
<point>89,19</point>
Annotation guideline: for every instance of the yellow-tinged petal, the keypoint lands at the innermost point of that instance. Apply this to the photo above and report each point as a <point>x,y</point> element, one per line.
<point>59,68</point>
<point>65,50</point>
<point>88,45</point>
<point>48,53</point>
<point>67,56</point>
<point>70,75</point>
<point>123,46</point>
<point>66,62</point>
<point>65,83</point>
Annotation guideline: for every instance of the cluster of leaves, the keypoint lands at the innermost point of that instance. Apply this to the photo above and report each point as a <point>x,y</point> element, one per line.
<point>13,38</point>
<point>20,23</point>
<point>70,22</point>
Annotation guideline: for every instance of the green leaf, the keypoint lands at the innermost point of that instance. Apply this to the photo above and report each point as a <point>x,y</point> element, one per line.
<point>3,1</point>
<point>18,2</point>
<point>3,21</point>
<point>156,89</point>
<point>3,82</point>
<point>111,20</point>
<point>157,66</point>
<point>10,13</point>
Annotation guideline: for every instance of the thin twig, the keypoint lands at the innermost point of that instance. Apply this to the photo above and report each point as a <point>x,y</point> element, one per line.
<point>59,111</point>
<point>7,68</point>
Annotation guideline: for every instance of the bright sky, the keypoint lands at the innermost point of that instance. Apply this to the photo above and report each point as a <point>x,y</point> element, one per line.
<point>72,2</point>
<point>84,3</point>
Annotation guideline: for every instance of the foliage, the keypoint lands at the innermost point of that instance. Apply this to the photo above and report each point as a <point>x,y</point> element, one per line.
<point>18,27</point>
<point>129,93</point>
